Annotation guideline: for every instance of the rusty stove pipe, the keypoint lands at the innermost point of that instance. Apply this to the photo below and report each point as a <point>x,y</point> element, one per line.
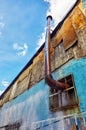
<point>48,77</point>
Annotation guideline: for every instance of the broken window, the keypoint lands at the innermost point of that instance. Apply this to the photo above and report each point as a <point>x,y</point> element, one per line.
<point>59,52</point>
<point>62,99</point>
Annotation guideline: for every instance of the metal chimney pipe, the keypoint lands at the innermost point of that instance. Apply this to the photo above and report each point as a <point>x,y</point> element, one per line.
<point>48,77</point>
<point>47,47</point>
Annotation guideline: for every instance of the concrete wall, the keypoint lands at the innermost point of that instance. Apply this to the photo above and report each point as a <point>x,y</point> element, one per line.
<point>27,100</point>
<point>33,104</point>
<point>69,42</point>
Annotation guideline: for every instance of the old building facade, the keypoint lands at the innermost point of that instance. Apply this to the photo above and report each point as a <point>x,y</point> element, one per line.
<point>30,104</point>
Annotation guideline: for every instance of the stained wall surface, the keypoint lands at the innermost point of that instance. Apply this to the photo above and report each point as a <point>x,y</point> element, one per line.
<point>33,104</point>
<point>27,100</point>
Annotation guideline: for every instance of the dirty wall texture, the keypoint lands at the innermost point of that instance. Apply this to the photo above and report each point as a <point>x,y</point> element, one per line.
<point>27,100</point>
<point>33,105</point>
<point>69,42</point>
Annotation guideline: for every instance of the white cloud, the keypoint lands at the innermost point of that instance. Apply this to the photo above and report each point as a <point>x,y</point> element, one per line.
<point>0,34</point>
<point>1,17</point>
<point>59,8</point>
<point>5,83</point>
<point>41,40</point>
<point>1,92</point>
<point>21,49</point>
<point>2,25</point>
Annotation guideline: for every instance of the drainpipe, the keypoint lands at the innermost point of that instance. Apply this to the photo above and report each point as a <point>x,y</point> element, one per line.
<point>54,84</point>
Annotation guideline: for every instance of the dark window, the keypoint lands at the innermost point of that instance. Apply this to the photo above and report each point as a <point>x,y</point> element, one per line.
<point>64,99</point>
<point>59,50</point>
<point>14,126</point>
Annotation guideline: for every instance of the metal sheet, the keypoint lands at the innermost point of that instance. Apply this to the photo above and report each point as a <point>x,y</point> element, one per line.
<point>68,34</point>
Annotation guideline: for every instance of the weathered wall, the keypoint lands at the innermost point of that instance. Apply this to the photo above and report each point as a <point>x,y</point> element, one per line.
<point>82,6</point>
<point>33,104</point>
<point>69,42</point>
<point>27,101</point>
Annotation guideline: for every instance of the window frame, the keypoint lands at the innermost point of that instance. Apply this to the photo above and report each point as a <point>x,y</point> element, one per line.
<point>56,97</point>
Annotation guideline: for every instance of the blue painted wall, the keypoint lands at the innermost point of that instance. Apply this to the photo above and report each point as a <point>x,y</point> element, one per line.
<point>33,104</point>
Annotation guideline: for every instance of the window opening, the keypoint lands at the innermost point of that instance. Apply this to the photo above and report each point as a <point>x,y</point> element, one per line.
<point>59,50</point>
<point>62,99</point>
<point>14,126</point>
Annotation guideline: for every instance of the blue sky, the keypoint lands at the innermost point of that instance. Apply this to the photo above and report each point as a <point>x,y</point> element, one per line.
<point>22,31</point>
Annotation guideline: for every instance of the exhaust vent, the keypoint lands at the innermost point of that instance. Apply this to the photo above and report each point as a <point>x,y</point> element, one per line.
<point>48,77</point>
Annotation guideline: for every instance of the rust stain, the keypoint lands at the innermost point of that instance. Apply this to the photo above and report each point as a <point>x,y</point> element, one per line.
<point>68,34</point>
<point>82,6</point>
<point>57,39</point>
<point>78,19</point>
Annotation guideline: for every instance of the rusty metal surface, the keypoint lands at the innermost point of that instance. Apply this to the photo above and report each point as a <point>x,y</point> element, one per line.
<point>48,77</point>
<point>68,34</point>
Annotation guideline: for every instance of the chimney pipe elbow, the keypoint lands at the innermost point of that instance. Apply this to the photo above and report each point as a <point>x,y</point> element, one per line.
<point>49,17</point>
